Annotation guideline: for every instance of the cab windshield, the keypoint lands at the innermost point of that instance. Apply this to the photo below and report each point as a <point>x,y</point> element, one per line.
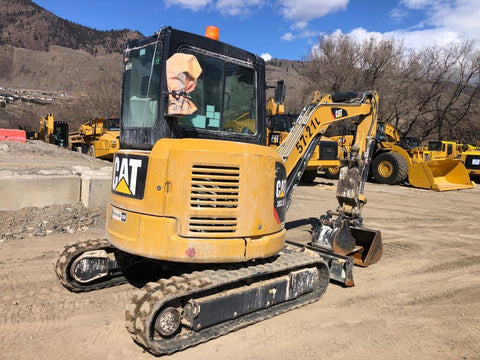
<point>435,146</point>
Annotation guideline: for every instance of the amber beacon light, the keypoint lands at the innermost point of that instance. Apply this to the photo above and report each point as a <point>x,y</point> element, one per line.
<point>211,32</point>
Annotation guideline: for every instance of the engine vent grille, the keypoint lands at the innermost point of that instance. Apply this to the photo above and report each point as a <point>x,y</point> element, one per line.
<point>206,224</point>
<point>214,187</point>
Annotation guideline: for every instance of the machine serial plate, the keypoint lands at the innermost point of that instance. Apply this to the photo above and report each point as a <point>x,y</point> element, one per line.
<point>119,215</point>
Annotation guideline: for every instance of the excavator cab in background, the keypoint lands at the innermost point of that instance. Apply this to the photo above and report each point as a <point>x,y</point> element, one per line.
<point>279,128</point>
<point>195,189</point>
<point>324,157</point>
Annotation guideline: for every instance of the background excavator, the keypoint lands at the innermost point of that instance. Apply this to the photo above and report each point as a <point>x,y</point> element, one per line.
<point>324,157</point>
<point>51,131</point>
<point>195,189</point>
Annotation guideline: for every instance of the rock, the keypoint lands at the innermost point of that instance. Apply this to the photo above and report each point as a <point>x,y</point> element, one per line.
<point>69,229</point>
<point>38,231</point>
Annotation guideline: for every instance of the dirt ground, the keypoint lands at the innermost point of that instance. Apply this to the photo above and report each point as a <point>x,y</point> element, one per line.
<point>419,302</point>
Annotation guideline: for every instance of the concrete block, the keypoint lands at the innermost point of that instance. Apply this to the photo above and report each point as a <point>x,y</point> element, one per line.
<point>95,190</point>
<point>19,191</point>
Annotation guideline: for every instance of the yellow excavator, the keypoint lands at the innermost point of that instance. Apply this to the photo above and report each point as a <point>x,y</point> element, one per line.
<point>206,200</point>
<point>51,131</point>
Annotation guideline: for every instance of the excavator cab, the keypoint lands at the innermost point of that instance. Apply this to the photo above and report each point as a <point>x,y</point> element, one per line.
<point>228,93</point>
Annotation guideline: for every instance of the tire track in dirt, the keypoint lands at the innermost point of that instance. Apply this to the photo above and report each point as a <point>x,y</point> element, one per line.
<point>419,301</point>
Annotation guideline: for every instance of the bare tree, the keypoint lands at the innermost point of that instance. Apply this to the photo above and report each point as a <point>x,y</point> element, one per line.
<point>429,93</point>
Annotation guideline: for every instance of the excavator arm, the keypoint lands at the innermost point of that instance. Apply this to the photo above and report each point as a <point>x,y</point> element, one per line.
<point>340,231</point>
<point>313,122</point>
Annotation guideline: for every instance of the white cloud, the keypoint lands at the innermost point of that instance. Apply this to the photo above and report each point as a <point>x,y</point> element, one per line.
<point>193,5</point>
<point>266,56</point>
<point>411,39</point>
<point>237,7</point>
<point>299,26</point>
<point>306,10</point>
<point>423,38</point>
<point>360,34</point>
<point>301,12</point>
<point>302,35</point>
<point>445,21</point>
<point>463,18</point>
<point>419,4</point>
<point>287,37</point>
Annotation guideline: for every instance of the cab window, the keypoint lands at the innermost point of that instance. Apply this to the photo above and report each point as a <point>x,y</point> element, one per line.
<point>141,86</point>
<point>225,97</point>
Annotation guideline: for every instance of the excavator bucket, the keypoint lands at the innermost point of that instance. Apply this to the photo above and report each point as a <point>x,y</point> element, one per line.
<point>369,247</point>
<point>337,235</point>
<point>440,175</point>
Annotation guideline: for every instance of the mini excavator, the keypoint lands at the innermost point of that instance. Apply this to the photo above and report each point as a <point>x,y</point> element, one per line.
<point>195,188</point>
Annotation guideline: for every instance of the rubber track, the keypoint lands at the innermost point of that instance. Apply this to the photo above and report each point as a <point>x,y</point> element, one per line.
<point>146,303</point>
<point>70,253</point>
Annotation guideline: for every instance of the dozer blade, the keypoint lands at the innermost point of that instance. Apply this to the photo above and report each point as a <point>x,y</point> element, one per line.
<point>440,175</point>
<point>369,247</point>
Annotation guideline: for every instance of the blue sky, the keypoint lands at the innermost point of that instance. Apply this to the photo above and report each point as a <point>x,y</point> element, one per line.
<point>285,29</point>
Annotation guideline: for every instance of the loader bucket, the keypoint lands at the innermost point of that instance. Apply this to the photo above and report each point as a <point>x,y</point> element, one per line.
<point>369,246</point>
<point>440,175</point>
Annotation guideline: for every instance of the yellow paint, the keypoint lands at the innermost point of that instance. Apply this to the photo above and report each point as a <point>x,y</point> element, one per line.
<point>205,201</point>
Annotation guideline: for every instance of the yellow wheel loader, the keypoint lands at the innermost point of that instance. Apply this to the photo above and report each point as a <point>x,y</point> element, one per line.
<point>206,201</point>
<point>398,159</point>
<point>469,155</point>
<point>98,137</point>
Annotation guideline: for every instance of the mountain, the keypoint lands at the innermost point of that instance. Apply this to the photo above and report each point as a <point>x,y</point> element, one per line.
<point>49,64</point>
<point>24,24</point>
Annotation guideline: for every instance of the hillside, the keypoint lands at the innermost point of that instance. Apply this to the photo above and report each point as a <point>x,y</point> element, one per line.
<point>60,69</point>
<point>73,84</point>
<point>24,24</point>
<point>291,73</point>
<point>49,64</point>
